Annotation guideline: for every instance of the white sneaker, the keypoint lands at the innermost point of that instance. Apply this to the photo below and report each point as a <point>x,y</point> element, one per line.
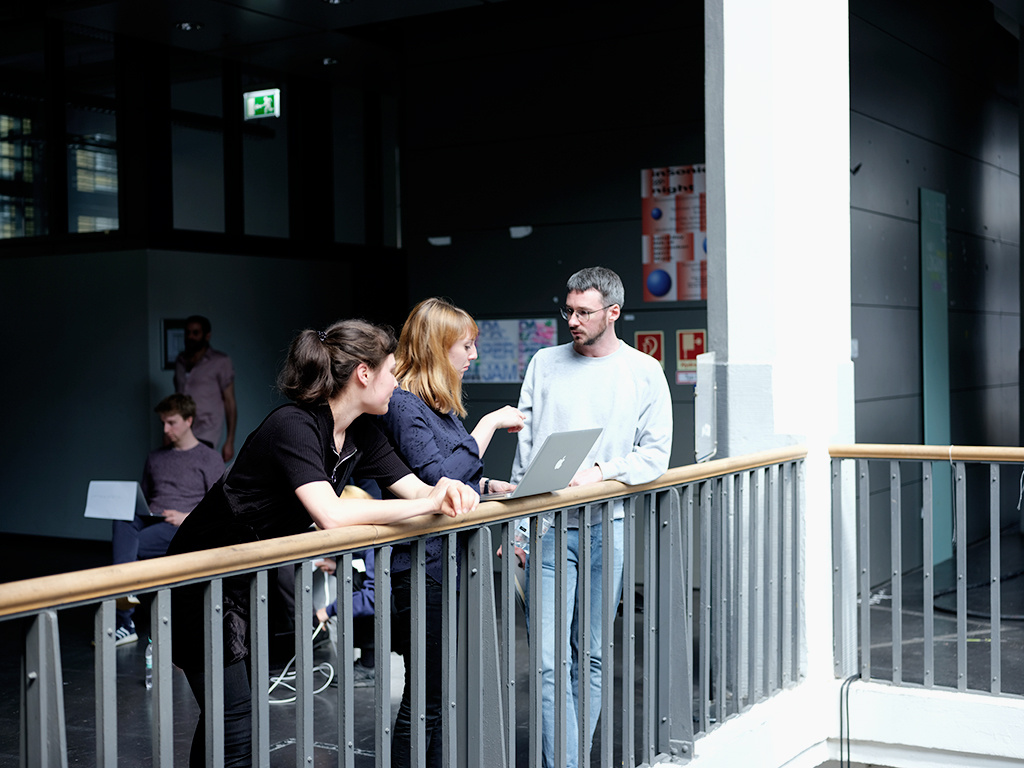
<point>125,635</point>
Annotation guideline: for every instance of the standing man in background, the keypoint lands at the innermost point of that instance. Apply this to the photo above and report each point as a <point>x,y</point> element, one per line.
<point>208,376</point>
<point>596,381</point>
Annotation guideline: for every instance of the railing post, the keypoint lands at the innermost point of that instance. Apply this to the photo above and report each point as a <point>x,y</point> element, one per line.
<point>928,569</point>
<point>43,738</point>
<point>482,738</point>
<point>509,584</point>
<point>584,587</point>
<point>449,660</point>
<point>213,669</point>
<point>105,675</point>
<point>651,681</point>
<point>162,698</point>
<point>382,659</point>
<point>535,618</point>
<point>609,605</point>
<point>416,670</point>
<point>303,664</point>
<point>864,576</point>
<point>995,603</point>
<point>628,724</point>
<point>844,566</point>
<point>960,472</point>
<point>675,642</point>
<point>705,645</point>
<point>259,662</point>
<point>896,567</point>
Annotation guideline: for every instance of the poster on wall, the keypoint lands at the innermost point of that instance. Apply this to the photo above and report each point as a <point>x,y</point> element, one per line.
<point>505,348</point>
<point>674,233</point>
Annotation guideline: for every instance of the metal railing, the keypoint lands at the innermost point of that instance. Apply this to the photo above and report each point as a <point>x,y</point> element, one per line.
<point>892,621</point>
<point>710,608</point>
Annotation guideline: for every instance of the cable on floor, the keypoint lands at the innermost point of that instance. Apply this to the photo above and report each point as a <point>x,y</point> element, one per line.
<point>286,678</point>
<point>844,720</point>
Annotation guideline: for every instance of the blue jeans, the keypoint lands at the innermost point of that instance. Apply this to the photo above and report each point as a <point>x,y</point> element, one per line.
<point>547,635</point>
<point>141,538</point>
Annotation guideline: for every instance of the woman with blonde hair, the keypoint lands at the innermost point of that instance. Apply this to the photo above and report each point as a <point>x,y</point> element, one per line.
<point>424,423</point>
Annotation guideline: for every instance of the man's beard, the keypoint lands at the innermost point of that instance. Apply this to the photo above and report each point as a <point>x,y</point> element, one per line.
<point>592,340</point>
<point>194,345</point>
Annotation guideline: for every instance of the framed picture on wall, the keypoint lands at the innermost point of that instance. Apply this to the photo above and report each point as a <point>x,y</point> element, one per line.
<point>174,341</point>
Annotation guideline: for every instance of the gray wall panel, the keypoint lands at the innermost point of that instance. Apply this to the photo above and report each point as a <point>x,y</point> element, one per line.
<point>80,336</point>
<point>984,274</point>
<point>890,420</point>
<point>987,416</point>
<point>895,164</point>
<point>889,353</point>
<point>982,350</point>
<point>886,265</point>
<point>933,104</point>
<point>938,101</point>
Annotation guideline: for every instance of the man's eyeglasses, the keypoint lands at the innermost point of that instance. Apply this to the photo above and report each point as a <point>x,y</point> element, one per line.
<point>582,314</point>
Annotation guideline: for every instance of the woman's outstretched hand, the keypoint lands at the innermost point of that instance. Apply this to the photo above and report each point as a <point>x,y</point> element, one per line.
<point>508,417</point>
<point>453,498</point>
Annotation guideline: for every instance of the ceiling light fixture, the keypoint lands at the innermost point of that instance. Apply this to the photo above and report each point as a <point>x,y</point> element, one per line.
<point>188,26</point>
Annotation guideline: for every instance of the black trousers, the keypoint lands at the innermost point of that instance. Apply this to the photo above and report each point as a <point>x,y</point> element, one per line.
<point>237,716</point>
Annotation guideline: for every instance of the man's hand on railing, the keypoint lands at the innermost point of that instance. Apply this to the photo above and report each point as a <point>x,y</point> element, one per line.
<point>587,476</point>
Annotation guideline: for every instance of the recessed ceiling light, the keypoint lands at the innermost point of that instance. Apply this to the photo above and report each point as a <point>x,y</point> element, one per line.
<point>189,26</point>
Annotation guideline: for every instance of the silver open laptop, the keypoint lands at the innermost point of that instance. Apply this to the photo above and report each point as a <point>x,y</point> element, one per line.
<point>553,465</point>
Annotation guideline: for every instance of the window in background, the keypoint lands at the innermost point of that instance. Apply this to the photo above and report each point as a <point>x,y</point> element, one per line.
<point>92,172</point>
<point>21,188</point>
<point>91,123</point>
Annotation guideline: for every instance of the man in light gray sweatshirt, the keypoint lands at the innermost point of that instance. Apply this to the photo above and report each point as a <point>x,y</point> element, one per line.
<point>596,381</point>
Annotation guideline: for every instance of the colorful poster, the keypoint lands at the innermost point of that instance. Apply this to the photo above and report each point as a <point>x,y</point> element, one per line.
<point>673,205</point>
<point>505,348</point>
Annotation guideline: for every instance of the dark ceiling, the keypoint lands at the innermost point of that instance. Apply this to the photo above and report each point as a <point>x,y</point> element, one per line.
<point>324,39</point>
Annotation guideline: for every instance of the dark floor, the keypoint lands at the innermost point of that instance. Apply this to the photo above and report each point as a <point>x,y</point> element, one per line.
<point>29,556</point>
<point>979,623</point>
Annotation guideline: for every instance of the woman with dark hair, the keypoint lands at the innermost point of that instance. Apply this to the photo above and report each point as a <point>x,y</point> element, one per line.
<point>424,423</point>
<point>288,475</point>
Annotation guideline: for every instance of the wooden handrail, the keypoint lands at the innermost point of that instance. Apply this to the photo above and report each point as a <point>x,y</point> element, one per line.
<point>28,595</point>
<point>927,452</point>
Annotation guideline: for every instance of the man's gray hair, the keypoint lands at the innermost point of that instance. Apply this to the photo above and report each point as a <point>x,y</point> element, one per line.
<point>602,280</point>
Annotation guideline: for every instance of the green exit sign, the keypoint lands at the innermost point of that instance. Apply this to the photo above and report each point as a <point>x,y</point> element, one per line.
<point>262,103</point>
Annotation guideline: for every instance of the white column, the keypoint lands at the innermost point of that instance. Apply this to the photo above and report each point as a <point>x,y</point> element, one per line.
<point>778,177</point>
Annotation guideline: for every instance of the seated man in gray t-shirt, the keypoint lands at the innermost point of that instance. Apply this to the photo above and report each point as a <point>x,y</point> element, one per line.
<point>175,479</point>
